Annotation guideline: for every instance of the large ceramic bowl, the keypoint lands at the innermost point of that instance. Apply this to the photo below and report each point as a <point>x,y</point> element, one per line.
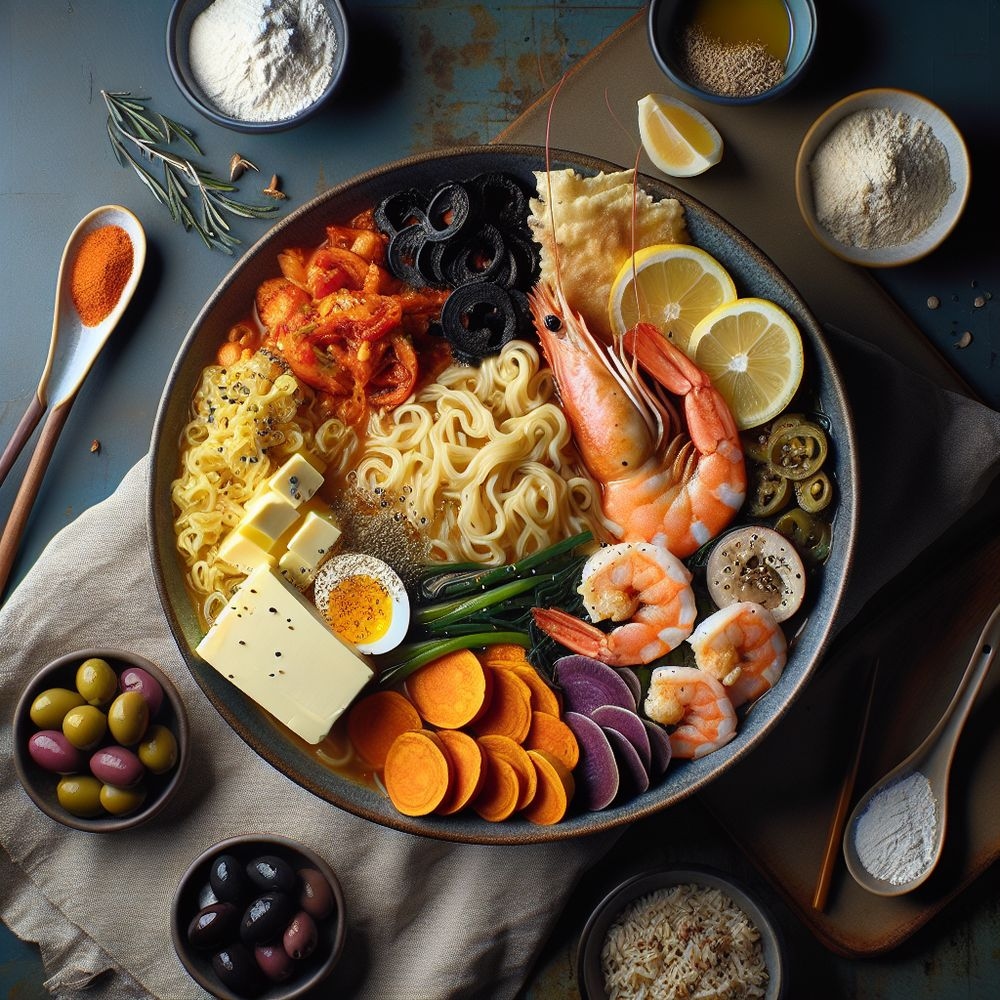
<point>753,274</point>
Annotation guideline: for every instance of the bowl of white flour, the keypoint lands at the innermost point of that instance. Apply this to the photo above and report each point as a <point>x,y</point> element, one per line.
<point>882,177</point>
<point>257,65</point>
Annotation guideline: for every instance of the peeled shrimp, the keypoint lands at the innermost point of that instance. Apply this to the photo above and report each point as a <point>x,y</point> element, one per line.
<point>743,647</point>
<point>697,704</point>
<point>639,584</point>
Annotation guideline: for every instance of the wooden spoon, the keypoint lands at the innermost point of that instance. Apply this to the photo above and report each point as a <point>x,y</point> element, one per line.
<point>73,348</point>
<point>933,760</point>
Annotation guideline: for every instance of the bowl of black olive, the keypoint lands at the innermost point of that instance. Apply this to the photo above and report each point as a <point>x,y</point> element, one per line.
<point>258,916</point>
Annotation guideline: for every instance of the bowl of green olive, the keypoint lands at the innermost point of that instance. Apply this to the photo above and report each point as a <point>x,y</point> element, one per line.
<point>100,740</point>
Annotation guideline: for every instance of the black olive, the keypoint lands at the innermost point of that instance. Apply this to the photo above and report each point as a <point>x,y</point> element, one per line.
<point>266,917</point>
<point>237,970</point>
<point>271,872</point>
<point>214,924</point>
<point>228,881</point>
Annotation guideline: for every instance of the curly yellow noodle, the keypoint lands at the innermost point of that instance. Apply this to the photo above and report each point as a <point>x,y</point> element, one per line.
<point>245,421</point>
<point>486,460</point>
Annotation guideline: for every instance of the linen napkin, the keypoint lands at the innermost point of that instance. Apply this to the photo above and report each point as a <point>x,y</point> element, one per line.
<point>427,919</point>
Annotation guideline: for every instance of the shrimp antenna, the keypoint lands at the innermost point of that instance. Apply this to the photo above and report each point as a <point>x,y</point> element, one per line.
<point>548,179</point>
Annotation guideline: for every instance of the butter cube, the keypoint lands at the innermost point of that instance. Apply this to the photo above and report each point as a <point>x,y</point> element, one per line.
<point>243,552</point>
<point>272,644</point>
<point>314,539</point>
<point>296,481</point>
<point>266,519</point>
<point>297,571</point>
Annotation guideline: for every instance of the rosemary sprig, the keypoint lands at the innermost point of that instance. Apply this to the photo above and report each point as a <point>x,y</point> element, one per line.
<point>132,124</point>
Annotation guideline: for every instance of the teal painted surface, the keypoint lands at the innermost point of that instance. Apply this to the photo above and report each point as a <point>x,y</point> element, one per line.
<point>426,75</point>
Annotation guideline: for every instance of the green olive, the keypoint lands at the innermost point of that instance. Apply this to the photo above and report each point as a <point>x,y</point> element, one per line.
<point>80,794</point>
<point>49,709</point>
<point>85,726</point>
<point>158,750</point>
<point>119,801</point>
<point>128,718</point>
<point>96,681</point>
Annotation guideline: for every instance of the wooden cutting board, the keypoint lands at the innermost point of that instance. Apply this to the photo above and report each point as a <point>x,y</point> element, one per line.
<point>778,803</point>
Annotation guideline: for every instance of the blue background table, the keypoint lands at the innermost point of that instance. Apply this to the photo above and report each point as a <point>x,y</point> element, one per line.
<point>422,77</point>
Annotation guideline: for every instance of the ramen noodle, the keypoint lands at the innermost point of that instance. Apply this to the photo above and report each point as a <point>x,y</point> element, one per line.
<point>486,460</point>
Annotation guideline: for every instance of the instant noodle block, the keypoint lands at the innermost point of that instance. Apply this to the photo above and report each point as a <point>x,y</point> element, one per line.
<point>270,642</point>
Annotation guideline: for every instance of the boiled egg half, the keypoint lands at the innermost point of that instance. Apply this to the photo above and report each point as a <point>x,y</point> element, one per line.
<point>363,600</point>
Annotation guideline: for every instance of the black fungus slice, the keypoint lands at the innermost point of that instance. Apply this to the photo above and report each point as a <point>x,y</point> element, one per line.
<point>401,210</point>
<point>402,255</point>
<point>450,212</point>
<point>477,320</point>
<point>503,199</point>
<point>481,256</point>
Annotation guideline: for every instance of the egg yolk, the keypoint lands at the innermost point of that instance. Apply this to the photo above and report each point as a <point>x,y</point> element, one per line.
<point>360,608</point>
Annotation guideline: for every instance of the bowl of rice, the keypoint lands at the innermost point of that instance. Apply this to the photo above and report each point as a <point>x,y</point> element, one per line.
<point>675,933</point>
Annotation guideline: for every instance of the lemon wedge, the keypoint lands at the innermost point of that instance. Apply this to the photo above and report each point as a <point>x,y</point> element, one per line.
<point>679,140</point>
<point>752,351</point>
<point>672,286</point>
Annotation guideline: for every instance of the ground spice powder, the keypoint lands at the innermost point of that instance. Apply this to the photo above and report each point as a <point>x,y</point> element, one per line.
<point>729,69</point>
<point>100,272</point>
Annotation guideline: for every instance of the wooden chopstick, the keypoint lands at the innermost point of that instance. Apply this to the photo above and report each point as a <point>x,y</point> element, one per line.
<point>840,813</point>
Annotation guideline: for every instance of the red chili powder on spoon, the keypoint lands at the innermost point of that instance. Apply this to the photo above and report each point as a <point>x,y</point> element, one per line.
<point>100,272</point>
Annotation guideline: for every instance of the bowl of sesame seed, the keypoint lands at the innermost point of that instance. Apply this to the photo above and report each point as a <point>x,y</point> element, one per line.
<point>729,52</point>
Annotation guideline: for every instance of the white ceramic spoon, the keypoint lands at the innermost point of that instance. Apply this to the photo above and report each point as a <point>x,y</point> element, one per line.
<point>933,760</point>
<point>73,348</point>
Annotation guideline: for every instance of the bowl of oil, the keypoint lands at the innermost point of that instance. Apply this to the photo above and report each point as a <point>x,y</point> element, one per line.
<point>733,51</point>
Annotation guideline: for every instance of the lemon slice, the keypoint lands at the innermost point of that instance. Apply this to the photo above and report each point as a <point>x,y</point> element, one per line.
<point>672,286</point>
<point>681,141</point>
<point>752,351</point>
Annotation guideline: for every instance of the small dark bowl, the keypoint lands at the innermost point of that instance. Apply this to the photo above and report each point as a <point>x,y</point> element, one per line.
<point>188,900</point>
<point>182,16</point>
<point>590,976</point>
<point>667,18</point>
<point>41,784</point>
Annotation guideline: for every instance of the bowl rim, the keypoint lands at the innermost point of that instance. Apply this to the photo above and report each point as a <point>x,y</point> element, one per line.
<point>588,950</point>
<point>241,841</point>
<point>785,84</point>
<point>824,123</point>
<point>22,728</point>
<point>195,98</point>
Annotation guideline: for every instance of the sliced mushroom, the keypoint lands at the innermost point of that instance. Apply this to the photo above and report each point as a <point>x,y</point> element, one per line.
<point>757,564</point>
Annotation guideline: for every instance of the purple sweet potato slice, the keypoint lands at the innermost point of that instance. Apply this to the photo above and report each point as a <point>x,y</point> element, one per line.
<point>596,774</point>
<point>630,726</point>
<point>631,678</point>
<point>587,684</point>
<point>634,777</point>
<point>659,744</point>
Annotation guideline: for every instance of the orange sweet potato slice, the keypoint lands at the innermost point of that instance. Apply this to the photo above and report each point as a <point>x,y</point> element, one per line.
<point>552,735</point>
<point>418,772</point>
<point>504,747</point>
<point>554,790</point>
<point>375,721</point>
<point>451,691</point>
<point>469,767</point>
<point>509,710</point>
<point>501,790</point>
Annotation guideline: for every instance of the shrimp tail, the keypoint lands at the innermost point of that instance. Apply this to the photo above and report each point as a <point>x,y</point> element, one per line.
<point>573,633</point>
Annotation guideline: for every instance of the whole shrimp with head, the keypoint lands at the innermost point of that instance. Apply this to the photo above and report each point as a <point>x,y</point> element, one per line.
<point>670,482</point>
